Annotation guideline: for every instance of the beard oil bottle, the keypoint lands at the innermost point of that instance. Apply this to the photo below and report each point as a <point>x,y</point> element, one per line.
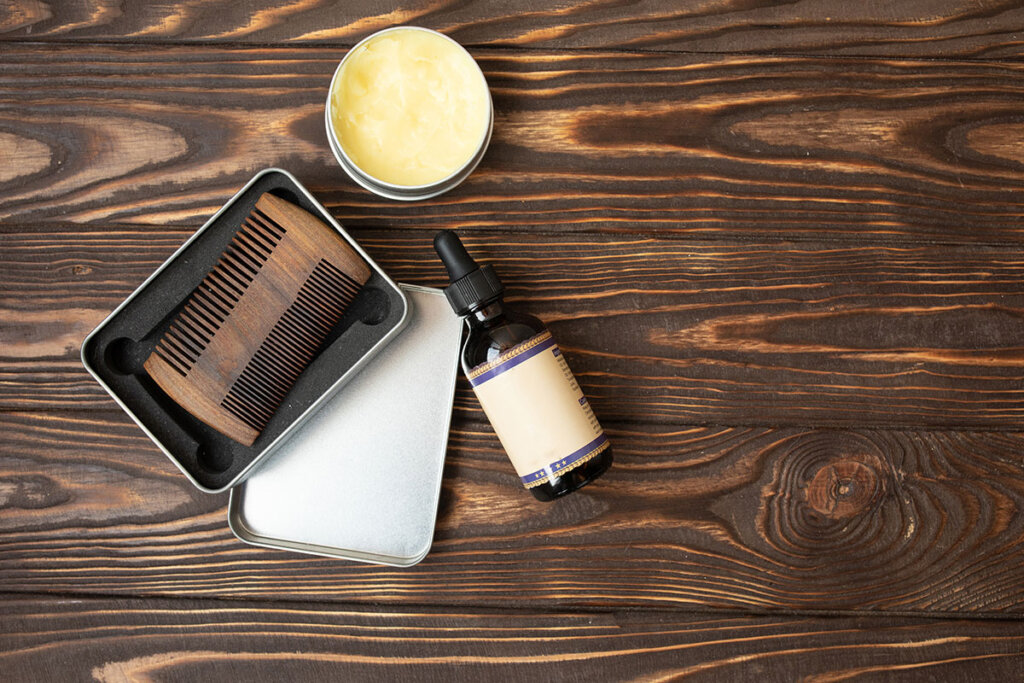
<point>524,385</point>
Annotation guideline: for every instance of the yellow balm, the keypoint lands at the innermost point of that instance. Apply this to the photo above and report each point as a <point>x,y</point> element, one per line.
<point>410,107</point>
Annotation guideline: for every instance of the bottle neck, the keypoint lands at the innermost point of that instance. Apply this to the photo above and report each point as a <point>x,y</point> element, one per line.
<point>488,313</point>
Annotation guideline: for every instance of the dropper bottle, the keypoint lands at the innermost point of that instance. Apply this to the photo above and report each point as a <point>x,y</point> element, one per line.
<point>523,383</point>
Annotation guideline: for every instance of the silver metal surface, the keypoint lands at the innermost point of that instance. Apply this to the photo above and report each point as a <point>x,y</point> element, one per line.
<point>391,190</point>
<point>361,480</point>
<point>276,443</point>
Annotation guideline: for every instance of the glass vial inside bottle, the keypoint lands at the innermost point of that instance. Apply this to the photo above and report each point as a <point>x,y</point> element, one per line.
<point>523,383</point>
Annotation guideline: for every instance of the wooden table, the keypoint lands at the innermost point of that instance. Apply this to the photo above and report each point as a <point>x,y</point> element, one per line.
<point>782,248</point>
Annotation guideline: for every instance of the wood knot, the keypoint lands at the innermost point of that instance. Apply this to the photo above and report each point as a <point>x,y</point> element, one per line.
<point>827,501</point>
<point>843,489</point>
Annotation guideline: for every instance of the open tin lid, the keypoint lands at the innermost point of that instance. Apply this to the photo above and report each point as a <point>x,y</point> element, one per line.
<point>362,478</point>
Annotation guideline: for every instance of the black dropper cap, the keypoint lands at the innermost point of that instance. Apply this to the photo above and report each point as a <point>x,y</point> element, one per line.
<point>472,285</point>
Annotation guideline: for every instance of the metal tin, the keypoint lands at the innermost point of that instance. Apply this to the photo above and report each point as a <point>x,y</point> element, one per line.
<point>312,409</point>
<point>391,190</point>
<point>361,481</point>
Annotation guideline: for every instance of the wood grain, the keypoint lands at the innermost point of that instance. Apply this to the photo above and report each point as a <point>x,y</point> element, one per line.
<point>986,28</point>
<point>834,521</point>
<point>116,640</point>
<point>656,330</point>
<point>716,146</point>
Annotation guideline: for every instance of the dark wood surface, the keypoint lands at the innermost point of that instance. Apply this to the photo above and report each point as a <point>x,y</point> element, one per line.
<point>780,244</point>
<point>699,146</point>
<point>188,640</point>
<point>979,29</point>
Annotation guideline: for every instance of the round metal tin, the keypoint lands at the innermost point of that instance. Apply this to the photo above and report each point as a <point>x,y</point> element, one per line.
<point>405,192</point>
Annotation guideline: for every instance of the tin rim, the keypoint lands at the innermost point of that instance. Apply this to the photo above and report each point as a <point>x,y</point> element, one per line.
<point>393,190</point>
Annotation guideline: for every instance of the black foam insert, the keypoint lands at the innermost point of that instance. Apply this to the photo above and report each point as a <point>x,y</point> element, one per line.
<point>118,349</point>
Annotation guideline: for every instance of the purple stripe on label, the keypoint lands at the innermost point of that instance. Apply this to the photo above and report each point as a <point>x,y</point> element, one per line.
<point>512,362</point>
<point>565,463</point>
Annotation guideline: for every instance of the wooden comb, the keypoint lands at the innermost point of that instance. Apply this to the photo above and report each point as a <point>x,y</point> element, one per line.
<point>257,319</point>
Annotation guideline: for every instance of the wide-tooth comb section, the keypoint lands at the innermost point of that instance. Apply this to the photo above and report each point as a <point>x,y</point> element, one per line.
<point>216,296</point>
<point>290,346</point>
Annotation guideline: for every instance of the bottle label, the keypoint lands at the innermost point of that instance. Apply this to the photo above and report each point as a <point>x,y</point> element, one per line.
<point>538,410</point>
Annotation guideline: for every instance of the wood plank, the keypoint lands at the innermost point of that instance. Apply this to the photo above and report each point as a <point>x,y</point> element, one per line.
<point>986,28</point>
<point>188,640</point>
<point>656,330</point>
<point>714,146</point>
<point>752,519</point>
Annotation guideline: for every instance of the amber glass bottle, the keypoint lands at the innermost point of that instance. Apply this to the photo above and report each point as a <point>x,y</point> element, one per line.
<point>523,382</point>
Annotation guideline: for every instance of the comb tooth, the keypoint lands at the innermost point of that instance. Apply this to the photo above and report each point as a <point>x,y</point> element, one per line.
<point>339,276</point>
<point>176,354</point>
<point>181,344</point>
<point>289,363</point>
<point>259,234</point>
<point>242,413</point>
<point>321,317</point>
<point>185,360</point>
<point>340,286</point>
<point>273,382</point>
<point>216,297</point>
<point>275,393</point>
<point>310,330</point>
<point>266,400</point>
<point>187,327</point>
<point>294,344</point>
<point>332,271</point>
<point>303,317</point>
<point>287,370</point>
<point>308,334</point>
<point>250,393</point>
<point>202,300</point>
<point>170,360</point>
<point>183,337</point>
<point>202,319</point>
<point>288,352</point>
<point>229,274</point>
<point>258,230</point>
<point>248,260</point>
<point>224,285</point>
<point>250,410</point>
<point>274,372</point>
<point>198,329</point>
<point>323,309</point>
<point>320,293</point>
<point>336,289</point>
<point>304,322</point>
<point>255,399</point>
<point>239,411</point>
<point>230,262</point>
<point>299,351</point>
<point>253,259</point>
<point>248,240</point>
<point>275,228</point>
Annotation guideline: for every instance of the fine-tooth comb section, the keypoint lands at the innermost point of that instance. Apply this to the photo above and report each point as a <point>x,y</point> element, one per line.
<point>258,318</point>
<point>290,346</point>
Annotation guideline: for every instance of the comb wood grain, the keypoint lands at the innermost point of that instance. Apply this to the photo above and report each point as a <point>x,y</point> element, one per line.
<point>257,319</point>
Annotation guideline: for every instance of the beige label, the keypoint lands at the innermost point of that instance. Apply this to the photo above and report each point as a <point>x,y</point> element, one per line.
<point>538,410</point>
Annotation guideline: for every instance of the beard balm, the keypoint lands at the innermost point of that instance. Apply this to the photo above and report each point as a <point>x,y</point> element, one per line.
<point>409,114</point>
